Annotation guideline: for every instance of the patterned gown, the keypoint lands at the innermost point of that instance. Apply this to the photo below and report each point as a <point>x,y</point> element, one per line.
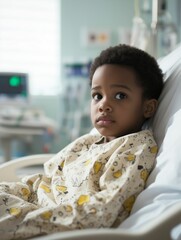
<point>88,184</point>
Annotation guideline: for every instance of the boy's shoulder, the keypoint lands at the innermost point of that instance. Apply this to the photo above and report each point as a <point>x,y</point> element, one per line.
<point>143,134</point>
<point>141,137</point>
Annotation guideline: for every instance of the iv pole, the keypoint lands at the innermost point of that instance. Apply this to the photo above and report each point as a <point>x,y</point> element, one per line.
<point>154,23</point>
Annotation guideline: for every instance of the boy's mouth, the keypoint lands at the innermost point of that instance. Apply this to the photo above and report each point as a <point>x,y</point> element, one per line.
<point>104,121</point>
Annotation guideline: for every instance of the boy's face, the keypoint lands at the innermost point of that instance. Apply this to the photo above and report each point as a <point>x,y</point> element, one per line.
<point>117,106</point>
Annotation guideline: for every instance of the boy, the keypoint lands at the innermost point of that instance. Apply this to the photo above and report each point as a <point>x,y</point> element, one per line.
<point>94,181</point>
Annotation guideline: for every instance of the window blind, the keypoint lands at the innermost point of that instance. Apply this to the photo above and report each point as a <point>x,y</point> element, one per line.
<point>30,42</point>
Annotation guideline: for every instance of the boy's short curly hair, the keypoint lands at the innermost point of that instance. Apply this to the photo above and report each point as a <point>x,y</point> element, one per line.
<point>149,75</point>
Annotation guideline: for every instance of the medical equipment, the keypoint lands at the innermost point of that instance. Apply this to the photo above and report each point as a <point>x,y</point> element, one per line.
<point>14,88</point>
<point>22,123</point>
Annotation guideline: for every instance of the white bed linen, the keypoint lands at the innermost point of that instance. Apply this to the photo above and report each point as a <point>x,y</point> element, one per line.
<point>164,184</point>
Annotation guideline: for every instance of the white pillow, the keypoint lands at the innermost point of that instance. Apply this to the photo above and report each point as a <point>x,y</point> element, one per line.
<point>164,184</point>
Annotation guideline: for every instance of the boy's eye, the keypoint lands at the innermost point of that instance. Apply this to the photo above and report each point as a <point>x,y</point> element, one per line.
<point>121,96</point>
<point>97,96</point>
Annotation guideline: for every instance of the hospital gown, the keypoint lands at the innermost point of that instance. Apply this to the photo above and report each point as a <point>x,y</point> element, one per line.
<point>88,184</point>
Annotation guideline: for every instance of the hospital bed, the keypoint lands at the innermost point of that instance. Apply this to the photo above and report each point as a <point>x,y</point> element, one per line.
<point>156,213</point>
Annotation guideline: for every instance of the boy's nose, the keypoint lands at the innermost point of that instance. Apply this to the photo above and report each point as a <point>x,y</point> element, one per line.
<point>105,107</point>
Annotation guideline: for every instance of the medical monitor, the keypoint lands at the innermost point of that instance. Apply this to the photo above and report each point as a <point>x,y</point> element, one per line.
<point>13,88</point>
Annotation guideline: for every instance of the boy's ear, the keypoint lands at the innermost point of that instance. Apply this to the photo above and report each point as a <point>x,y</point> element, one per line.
<point>150,107</point>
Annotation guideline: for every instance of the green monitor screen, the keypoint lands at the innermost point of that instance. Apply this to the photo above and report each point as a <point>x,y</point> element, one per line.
<point>13,86</point>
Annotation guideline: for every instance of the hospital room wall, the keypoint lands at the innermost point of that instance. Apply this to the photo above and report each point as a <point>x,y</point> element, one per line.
<point>114,16</point>
<point>99,15</point>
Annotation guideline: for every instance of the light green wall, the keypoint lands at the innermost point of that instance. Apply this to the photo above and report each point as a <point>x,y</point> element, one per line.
<point>100,14</point>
